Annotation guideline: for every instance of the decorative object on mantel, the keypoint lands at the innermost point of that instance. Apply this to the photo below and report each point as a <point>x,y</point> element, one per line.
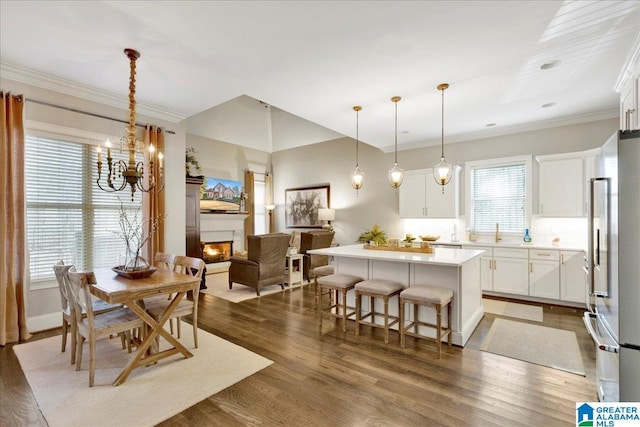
<point>443,171</point>
<point>131,231</point>
<point>302,204</point>
<point>131,173</point>
<point>357,177</point>
<point>396,175</point>
<point>192,162</point>
<point>375,234</point>
<point>222,195</point>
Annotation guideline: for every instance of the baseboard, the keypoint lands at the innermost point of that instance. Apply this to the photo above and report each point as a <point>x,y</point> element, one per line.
<point>44,322</point>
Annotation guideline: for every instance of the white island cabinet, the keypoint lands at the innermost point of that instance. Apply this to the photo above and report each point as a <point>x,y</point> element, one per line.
<point>455,269</point>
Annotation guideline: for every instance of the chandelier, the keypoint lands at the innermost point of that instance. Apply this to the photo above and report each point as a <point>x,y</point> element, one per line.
<point>121,173</point>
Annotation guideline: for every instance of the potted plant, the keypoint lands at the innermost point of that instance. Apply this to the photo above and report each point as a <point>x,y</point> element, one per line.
<point>191,163</point>
<point>374,234</point>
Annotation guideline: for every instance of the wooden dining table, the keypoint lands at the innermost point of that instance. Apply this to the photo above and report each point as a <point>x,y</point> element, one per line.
<point>116,289</point>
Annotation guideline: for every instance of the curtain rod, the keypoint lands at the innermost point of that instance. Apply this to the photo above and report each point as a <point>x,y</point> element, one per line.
<point>100,116</point>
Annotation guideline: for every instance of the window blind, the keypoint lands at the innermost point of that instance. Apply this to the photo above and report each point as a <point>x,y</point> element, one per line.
<point>68,217</point>
<point>499,196</point>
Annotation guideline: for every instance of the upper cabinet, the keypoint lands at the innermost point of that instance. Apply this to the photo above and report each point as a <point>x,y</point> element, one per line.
<point>421,197</point>
<point>563,183</point>
<point>628,86</point>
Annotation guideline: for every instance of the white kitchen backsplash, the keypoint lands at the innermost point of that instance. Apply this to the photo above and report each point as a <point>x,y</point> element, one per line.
<point>572,232</point>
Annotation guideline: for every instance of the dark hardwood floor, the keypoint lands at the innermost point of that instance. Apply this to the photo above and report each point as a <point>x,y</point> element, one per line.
<point>330,378</point>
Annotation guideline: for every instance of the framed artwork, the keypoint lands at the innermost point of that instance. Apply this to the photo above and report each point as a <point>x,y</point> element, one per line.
<point>302,204</point>
<point>220,195</point>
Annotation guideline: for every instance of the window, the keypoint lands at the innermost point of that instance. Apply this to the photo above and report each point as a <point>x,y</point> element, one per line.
<point>68,217</point>
<point>499,192</point>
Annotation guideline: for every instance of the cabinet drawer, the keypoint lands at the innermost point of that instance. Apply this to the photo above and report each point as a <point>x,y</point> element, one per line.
<point>510,253</point>
<point>544,254</point>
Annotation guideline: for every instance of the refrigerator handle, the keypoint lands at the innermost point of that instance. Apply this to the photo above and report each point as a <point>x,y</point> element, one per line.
<point>588,323</point>
<point>589,260</point>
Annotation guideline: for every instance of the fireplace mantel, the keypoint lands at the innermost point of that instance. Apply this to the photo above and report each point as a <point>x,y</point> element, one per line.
<point>223,216</point>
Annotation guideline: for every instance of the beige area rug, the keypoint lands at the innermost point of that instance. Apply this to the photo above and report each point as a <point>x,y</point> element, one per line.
<point>218,286</point>
<point>555,348</point>
<point>148,396</point>
<point>512,309</point>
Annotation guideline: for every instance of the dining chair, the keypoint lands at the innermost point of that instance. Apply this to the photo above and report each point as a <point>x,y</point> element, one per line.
<point>164,260</point>
<point>92,327</point>
<point>68,314</point>
<point>192,267</point>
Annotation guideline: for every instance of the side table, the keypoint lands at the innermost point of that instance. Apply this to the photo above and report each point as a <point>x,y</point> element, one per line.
<point>294,269</point>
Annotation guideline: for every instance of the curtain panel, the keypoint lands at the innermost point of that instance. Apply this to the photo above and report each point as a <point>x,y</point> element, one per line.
<point>14,278</point>
<point>249,222</point>
<point>153,203</point>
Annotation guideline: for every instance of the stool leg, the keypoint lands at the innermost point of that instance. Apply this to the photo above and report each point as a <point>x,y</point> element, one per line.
<point>315,281</point>
<point>358,307</point>
<point>401,314</point>
<point>386,320</point>
<point>321,309</point>
<point>439,328</point>
<point>372,309</point>
<point>449,321</point>
<point>415,317</point>
<point>344,310</point>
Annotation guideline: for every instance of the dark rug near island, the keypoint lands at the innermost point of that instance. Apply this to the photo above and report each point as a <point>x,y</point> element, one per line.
<point>150,395</point>
<point>555,348</point>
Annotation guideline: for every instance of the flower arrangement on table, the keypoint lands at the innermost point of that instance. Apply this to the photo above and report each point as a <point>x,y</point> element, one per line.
<point>132,233</point>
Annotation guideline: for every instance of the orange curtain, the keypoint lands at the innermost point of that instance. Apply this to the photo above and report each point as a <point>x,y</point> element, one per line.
<point>14,276</point>
<point>249,222</point>
<point>153,205</point>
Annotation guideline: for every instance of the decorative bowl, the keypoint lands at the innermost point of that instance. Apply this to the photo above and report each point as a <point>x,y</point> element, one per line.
<point>134,274</point>
<point>429,238</point>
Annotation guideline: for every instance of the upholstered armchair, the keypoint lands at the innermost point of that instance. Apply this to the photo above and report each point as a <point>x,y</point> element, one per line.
<point>314,240</point>
<point>265,263</point>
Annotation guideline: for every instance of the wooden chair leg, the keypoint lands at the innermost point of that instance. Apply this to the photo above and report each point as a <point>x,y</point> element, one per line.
<point>65,328</point>
<point>79,353</point>
<point>74,341</point>
<point>92,359</point>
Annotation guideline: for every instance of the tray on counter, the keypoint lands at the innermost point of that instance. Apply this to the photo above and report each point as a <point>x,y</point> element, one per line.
<point>427,250</point>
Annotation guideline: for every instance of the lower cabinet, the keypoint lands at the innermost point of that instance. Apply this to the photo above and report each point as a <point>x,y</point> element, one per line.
<point>537,273</point>
<point>573,281</point>
<point>510,271</point>
<point>544,274</point>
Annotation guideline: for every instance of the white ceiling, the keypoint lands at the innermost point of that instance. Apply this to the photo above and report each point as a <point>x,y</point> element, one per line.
<point>317,59</point>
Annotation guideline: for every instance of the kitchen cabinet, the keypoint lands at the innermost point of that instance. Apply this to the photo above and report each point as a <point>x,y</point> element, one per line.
<point>573,282</point>
<point>486,264</point>
<point>561,190</point>
<point>544,273</point>
<point>421,197</point>
<point>629,89</point>
<point>510,271</point>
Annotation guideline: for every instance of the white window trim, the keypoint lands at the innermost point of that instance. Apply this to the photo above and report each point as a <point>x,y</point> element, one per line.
<point>503,161</point>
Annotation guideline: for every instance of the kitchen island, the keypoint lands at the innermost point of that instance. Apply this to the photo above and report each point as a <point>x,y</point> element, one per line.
<point>455,269</point>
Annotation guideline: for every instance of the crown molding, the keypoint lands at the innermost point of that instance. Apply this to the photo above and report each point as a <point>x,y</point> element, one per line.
<point>68,87</point>
<point>508,130</point>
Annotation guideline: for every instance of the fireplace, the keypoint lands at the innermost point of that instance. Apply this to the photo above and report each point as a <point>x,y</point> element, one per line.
<point>213,252</point>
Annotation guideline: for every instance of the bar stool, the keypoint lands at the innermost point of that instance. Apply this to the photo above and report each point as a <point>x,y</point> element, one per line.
<point>335,283</point>
<point>376,288</point>
<point>323,270</point>
<point>431,296</point>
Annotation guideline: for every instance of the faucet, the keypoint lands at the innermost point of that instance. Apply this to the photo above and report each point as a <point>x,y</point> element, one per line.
<point>498,238</point>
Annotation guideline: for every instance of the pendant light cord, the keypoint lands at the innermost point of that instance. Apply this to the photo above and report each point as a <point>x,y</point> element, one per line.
<point>357,136</point>
<point>442,115</point>
<point>396,144</point>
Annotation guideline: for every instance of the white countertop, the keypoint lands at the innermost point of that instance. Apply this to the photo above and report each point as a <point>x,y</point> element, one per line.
<point>440,256</point>
<point>535,245</point>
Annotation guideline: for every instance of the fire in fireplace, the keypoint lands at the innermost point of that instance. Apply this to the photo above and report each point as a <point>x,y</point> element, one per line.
<point>213,252</point>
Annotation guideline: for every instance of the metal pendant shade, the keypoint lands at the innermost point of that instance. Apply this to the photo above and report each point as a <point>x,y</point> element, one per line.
<point>396,174</point>
<point>357,177</point>
<point>443,171</point>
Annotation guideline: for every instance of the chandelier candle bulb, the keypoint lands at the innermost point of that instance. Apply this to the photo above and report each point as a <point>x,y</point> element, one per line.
<point>99,151</point>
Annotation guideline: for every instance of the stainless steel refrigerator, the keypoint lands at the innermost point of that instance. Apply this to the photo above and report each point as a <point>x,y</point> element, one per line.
<point>613,268</point>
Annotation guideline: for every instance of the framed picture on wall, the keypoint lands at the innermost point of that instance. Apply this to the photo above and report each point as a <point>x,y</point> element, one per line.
<point>302,204</point>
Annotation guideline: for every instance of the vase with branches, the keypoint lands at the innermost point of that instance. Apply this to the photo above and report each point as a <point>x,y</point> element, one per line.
<point>132,232</point>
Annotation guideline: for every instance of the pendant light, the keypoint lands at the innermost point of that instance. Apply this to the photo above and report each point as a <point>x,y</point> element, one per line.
<point>443,171</point>
<point>396,175</point>
<point>357,177</point>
